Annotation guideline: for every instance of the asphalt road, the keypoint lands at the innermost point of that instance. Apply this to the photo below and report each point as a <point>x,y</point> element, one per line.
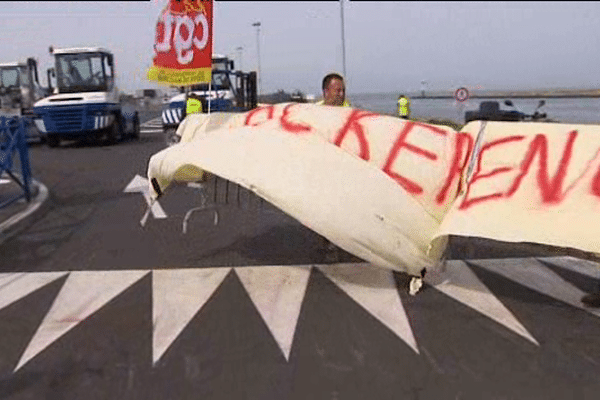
<point>246,306</point>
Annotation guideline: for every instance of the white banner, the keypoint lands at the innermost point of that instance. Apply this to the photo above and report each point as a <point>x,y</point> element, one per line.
<point>383,188</point>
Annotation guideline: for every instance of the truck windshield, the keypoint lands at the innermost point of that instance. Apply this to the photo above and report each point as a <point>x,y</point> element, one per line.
<point>9,77</point>
<point>86,72</point>
<point>220,79</point>
<point>220,64</point>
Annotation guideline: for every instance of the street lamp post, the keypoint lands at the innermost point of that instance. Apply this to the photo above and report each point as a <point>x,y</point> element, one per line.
<point>343,40</point>
<point>257,25</point>
<point>239,50</point>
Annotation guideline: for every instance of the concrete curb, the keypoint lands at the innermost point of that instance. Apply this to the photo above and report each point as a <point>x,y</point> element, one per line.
<point>33,205</point>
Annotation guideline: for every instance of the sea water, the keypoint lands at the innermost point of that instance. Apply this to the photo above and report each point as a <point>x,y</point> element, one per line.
<point>585,110</point>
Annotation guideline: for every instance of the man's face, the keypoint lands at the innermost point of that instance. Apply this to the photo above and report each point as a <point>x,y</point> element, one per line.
<point>335,93</point>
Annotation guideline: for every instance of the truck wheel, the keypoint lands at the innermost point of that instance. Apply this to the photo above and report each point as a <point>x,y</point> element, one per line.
<point>53,140</point>
<point>114,132</point>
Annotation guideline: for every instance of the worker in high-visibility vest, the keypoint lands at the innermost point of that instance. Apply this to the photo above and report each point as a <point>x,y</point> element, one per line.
<point>403,107</point>
<point>334,91</point>
<point>193,104</point>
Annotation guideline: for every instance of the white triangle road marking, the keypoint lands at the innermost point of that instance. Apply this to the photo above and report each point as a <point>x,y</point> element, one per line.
<point>278,293</point>
<point>585,267</point>
<point>533,274</point>
<point>375,290</point>
<point>15,286</point>
<point>457,280</point>
<point>83,293</point>
<point>178,295</point>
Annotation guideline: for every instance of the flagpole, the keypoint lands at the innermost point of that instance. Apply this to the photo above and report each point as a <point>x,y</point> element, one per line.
<point>186,90</point>
<point>209,92</point>
<point>343,39</point>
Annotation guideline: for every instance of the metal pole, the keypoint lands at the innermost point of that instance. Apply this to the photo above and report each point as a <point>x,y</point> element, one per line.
<point>257,25</point>
<point>343,39</point>
<point>209,97</point>
<point>239,49</point>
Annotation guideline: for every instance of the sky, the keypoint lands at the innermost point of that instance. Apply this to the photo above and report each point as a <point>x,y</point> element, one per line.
<point>390,46</point>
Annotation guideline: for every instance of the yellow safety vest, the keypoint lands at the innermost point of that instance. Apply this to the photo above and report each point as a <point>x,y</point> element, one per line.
<point>403,107</point>
<point>346,103</point>
<point>193,106</point>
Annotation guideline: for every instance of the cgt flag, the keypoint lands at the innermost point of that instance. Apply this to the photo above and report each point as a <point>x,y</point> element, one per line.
<point>183,43</point>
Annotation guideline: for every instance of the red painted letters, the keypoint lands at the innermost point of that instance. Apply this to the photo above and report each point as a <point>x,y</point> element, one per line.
<point>268,109</point>
<point>291,126</point>
<point>550,186</point>
<point>459,162</point>
<point>410,186</point>
<point>353,124</point>
<point>551,189</point>
<point>477,174</point>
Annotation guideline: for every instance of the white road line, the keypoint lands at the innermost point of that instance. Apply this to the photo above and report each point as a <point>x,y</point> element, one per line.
<point>15,286</point>
<point>178,295</point>
<point>278,293</point>
<point>375,290</point>
<point>585,267</point>
<point>459,282</point>
<point>533,274</point>
<point>83,293</point>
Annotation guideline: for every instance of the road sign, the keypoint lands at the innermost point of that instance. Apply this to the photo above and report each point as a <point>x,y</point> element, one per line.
<point>461,94</point>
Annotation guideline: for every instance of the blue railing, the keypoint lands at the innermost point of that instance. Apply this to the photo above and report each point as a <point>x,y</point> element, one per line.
<point>13,144</point>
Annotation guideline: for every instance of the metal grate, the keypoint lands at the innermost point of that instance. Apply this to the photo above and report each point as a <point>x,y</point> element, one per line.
<point>67,119</point>
<point>216,193</point>
<point>224,192</point>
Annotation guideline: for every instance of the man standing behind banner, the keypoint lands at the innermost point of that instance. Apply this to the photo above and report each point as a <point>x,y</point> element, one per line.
<point>334,94</point>
<point>334,91</point>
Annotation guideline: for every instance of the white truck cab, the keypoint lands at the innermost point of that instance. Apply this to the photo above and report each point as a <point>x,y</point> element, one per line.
<point>85,100</point>
<point>19,90</point>
<point>19,87</point>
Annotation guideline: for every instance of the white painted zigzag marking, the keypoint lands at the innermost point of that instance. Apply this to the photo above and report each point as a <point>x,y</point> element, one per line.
<point>532,274</point>
<point>460,283</point>
<point>375,290</point>
<point>278,293</point>
<point>178,295</point>
<point>16,285</point>
<point>83,293</point>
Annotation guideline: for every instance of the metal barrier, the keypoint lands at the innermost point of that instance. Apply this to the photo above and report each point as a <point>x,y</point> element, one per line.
<point>216,192</point>
<point>13,143</point>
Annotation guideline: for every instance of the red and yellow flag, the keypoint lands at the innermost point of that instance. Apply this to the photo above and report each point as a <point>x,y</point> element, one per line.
<point>183,43</point>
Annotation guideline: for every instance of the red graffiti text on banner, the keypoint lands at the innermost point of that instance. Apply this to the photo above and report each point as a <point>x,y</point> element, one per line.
<point>353,124</point>
<point>292,126</point>
<point>459,163</point>
<point>269,110</point>
<point>410,186</point>
<point>550,188</point>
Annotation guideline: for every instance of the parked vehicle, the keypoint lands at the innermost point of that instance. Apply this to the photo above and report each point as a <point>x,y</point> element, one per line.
<point>19,90</point>
<point>85,100</point>
<point>490,111</point>
<point>229,91</point>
